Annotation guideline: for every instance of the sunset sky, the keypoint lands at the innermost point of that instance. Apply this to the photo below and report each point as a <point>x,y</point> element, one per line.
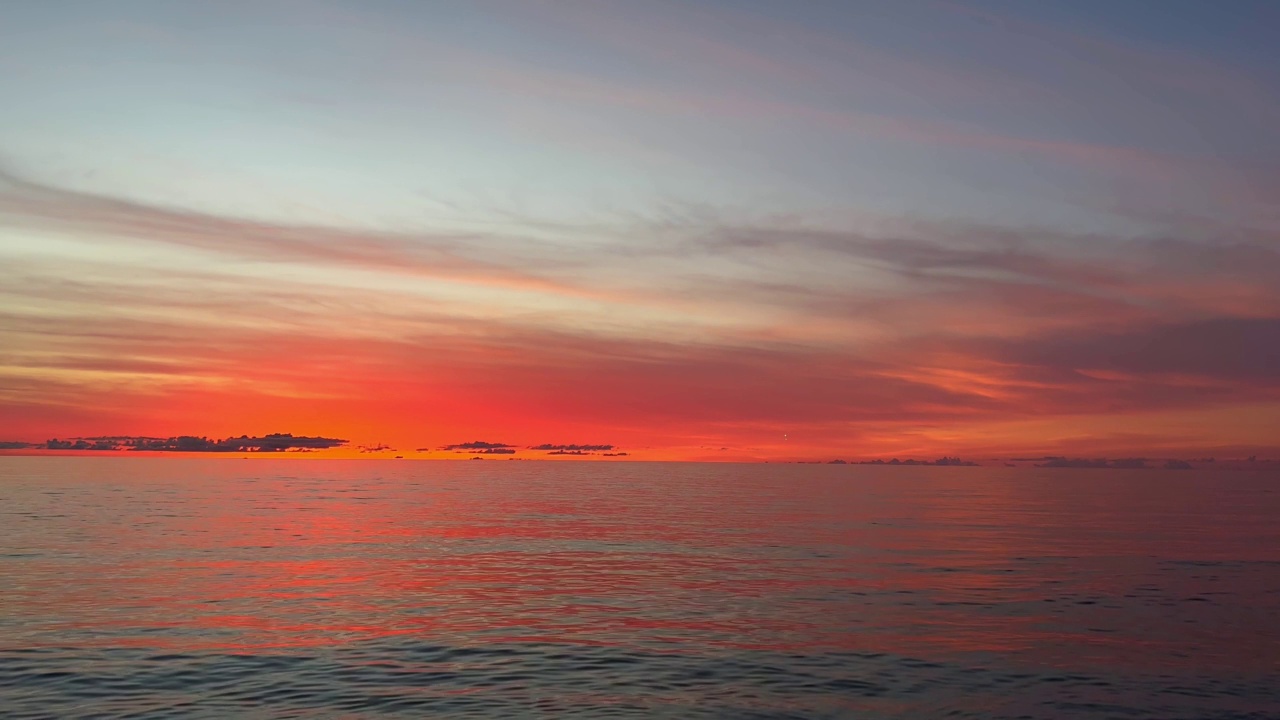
<point>690,230</point>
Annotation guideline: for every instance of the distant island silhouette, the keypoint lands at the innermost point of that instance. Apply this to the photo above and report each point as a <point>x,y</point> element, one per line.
<point>1123,463</point>
<point>942,461</point>
<point>280,443</point>
<point>1051,461</point>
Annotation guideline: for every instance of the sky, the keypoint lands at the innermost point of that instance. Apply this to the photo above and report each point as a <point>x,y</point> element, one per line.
<point>698,230</point>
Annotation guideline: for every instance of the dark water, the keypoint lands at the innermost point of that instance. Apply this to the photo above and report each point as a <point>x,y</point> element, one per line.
<point>276,588</point>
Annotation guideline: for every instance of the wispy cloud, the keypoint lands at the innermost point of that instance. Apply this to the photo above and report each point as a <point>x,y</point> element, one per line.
<point>439,255</point>
<point>770,72</point>
<point>949,326</point>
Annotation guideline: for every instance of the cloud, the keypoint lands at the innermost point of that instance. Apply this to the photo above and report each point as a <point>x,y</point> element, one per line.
<point>725,99</point>
<point>454,256</point>
<point>843,332</point>
<point>575,449</point>
<point>478,445</point>
<point>276,442</point>
<point>375,448</point>
<point>1229,349</point>
<point>12,445</point>
<point>660,261</point>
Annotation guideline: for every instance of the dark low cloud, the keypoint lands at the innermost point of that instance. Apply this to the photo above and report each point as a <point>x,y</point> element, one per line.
<point>275,442</point>
<point>494,451</point>
<point>8,445</point>
<point>476,445</point>
<point>375,448</point>
<point>581,448</point>
<point>615,454</point>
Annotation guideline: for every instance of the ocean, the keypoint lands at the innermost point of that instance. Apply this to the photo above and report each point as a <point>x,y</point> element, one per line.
<point>282,588</point>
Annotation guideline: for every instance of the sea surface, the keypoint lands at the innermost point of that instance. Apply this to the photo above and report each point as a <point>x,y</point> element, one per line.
<point>220,587</point>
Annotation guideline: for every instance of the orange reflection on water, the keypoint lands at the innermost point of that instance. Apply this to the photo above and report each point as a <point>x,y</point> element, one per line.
<point>1050,569</point>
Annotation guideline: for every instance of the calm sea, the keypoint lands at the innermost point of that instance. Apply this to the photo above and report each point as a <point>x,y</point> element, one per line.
<point>300,588</point>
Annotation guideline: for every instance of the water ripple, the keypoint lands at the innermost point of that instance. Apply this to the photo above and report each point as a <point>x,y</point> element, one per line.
<point>212,589</point>
<point>407,678</point>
